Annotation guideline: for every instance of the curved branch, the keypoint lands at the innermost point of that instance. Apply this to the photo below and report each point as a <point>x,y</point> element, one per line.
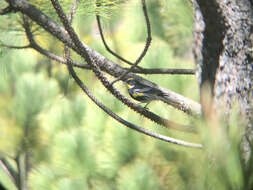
<point>119,119</point>
<point>135,70</point>
<point>100,75</point>
<point>99,104</point>
<point>139,69</point>
<point>106,65</point>
<point>105,44</point>
<point>9,170</point>
<point>34,45</point>
<point>148,41</point>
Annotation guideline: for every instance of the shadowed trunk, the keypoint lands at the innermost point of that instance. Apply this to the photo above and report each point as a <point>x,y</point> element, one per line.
<point>224,56</point>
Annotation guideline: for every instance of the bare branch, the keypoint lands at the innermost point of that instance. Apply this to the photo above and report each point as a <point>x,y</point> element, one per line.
<point>101,76</point>
<point>164,71</point>
<point>155,71</point>
<point>119,119</point>
<point>9,170</point>
<point>148,41</point>
<point>106,109</point>
<point>50,55</point>
<point>106,65</point>
<point>139,69</point>
<point>105,44</point>
<point>35,46</point>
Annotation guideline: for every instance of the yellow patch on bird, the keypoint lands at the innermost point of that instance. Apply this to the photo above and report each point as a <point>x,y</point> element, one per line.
<point>129,86</point>
<point>137,94</point>
<point>130,79</point>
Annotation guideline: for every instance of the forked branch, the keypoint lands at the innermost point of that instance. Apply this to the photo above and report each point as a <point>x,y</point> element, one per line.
<point>148,41</point>
<point>102,78</point>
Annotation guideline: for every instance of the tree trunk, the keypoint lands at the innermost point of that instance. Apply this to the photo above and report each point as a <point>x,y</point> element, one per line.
<point>223,37</point>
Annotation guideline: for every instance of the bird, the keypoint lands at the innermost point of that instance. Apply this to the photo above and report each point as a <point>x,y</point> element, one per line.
<point>143,93</point>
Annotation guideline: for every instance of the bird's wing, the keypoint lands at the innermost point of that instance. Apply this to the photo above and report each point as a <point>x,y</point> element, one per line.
<point>144,90</point>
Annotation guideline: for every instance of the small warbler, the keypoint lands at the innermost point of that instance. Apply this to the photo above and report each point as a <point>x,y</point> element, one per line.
<point>143,92</point>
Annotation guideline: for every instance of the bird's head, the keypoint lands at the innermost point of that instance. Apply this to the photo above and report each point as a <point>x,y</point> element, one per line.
<point>130,83</point>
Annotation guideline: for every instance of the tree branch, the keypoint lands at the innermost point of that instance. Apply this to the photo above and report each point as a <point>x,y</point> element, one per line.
<point>111,68</point>
<point>148,41</point>
<point>116,117</point>
<point>34,45</point>
<point>139,69</point>
<point>105,44</point>
<point>21,173</point>
<point>9,170</point>
<point>164,71</point>
<point>99,104</point>
<point>101,76</point>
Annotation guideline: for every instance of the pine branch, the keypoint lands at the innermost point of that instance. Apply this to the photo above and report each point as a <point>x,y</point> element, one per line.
<point>99,104</point>
<point>100,75</point>
<point>111,68</point>
<point>143,53</point>
<point>116,117</point>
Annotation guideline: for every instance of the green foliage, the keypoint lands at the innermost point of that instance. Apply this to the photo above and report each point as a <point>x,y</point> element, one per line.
<point>138,175</point>
<point>118,147</point>
<point>177,20</point>
<point>32,94</point>
<point>222,158</point>
<point>103,8</point>
<point>74,145</point>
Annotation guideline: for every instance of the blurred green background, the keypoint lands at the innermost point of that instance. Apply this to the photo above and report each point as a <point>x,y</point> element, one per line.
<point>72,143</point>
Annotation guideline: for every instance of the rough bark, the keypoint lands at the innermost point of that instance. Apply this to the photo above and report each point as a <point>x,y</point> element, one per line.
<point>223,52</point>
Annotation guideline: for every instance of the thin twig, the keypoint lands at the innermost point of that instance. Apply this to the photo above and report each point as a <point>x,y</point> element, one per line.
<point>100,75</point>
<point>60,59</point>
<point>9,170</point>
<point>96,69</point>
<point>107,47</point>
<point>148,41</point>
<point>186,105</point>
<point>116,117</point>
<point>103,107</point>
<point>155,71</point>
<point>139,69</point>
<point>34,45</point>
